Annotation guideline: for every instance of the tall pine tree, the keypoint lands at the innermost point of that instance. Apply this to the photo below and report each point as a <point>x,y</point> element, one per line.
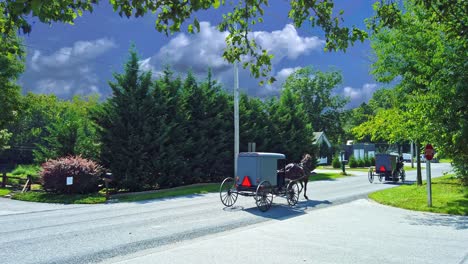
<point>126,129</point>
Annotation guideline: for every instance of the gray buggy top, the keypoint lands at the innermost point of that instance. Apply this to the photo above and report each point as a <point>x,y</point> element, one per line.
<point>258,166</point>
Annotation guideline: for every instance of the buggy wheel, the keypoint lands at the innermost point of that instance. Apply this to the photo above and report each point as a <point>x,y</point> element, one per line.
<point>292,193</point>
<point>370,176</point>
<point>381,177</point>
<point>264,196</point>
<point>228,192</point>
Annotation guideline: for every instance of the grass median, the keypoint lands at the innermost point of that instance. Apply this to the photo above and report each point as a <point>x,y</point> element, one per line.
<point>327,176</point>
<point>448,196</point>
<point>43,197</point>
<point>4,191</point>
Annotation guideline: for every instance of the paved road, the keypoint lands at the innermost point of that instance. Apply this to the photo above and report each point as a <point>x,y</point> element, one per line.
<point>361,232</point>
<point>40,233</point>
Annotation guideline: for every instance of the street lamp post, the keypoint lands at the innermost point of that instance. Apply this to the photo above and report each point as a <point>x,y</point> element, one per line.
<point>236,117</point>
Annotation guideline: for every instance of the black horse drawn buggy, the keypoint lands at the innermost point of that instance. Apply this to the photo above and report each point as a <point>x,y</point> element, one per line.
<point>389,167</point>
<point>258,176</point>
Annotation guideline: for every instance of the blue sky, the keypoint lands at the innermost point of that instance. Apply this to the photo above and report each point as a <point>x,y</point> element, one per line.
<point>79,59</point>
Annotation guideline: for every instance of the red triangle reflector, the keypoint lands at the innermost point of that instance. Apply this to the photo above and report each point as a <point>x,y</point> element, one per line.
<point>246,182</point>
<point>382,168</point>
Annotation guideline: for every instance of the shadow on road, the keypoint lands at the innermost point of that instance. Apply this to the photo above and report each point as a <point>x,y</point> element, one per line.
<point>282,211</point>
<point>159,199</point>
<point>455,221</point>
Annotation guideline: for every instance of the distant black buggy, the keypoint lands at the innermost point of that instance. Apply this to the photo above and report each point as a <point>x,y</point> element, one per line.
<point>389,167</point>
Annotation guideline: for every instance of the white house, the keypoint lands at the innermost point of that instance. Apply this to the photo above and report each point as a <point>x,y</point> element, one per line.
<point>320,139</point>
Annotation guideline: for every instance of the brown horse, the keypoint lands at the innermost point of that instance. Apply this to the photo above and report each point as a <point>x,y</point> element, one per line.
<point>300,172</point>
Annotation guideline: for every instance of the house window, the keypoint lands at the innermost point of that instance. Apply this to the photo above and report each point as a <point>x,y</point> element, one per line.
<point>359,153</point>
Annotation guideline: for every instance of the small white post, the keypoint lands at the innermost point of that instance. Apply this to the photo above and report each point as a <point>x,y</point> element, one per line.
<point>428,182</point>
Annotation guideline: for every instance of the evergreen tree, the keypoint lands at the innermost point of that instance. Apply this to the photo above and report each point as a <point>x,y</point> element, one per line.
<point>169,136</point>
<point>218,126</point>
<point>291,129</point>
<point>254,123</point>
<point>126,129</point>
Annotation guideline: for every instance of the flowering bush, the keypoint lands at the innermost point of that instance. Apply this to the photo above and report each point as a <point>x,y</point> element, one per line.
<point>85,175</point>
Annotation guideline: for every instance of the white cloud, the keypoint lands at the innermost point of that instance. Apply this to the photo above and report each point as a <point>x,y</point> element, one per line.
<point>275,88</point>
<point>204,50</point>
<point>68,70</point>
<point>65,88</point>
<point>80,52</point>
<point>359,95</point>
<point>287,42</point>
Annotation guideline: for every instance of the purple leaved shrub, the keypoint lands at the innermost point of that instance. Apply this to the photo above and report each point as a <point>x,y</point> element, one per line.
<point>86,174</point>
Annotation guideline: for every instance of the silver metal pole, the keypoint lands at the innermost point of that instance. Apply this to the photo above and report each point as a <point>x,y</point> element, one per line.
<point>236,117</point>
<point>428,182</point>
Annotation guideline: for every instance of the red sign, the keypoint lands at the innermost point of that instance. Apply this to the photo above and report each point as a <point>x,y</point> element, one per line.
<point>429,152</point>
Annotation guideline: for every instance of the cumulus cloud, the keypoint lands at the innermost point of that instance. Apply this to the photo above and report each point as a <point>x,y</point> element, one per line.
<point>287,42</point>
<point>204,50</point>
<point>359,95</point>
<point>80,52</point>
<point>193,52</point>
<point>68,71</point>
<point>275,88</point>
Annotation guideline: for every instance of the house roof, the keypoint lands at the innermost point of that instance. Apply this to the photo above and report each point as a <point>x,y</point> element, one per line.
<point>320,137</point>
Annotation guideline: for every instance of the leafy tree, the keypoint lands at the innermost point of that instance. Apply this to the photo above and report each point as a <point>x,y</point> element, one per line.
<point>4,139</point>
<point>323,109</point>
<point>29,129</point>
<point>126,129</point>
<point>11,66</point>
<point>428,53</point>
<point>71,132</point>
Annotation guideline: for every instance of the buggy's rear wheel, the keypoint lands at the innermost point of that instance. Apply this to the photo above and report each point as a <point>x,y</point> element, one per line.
<point>228,192</point>
<point>370,175</point>
<point>292,193</point>
<point>264,196</point>
<point>381,177</point>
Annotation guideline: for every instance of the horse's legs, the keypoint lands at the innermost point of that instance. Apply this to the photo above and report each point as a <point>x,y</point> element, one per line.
<point>302,186</point>
<point>305,188</point>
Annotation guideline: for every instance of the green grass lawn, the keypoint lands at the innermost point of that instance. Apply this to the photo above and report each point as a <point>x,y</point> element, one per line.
<point>326,176</point>
<point>4,191</point>
<point>339,169</point>
<point>43,197</point>
<point>445,160</point>
<point>448,196</point>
